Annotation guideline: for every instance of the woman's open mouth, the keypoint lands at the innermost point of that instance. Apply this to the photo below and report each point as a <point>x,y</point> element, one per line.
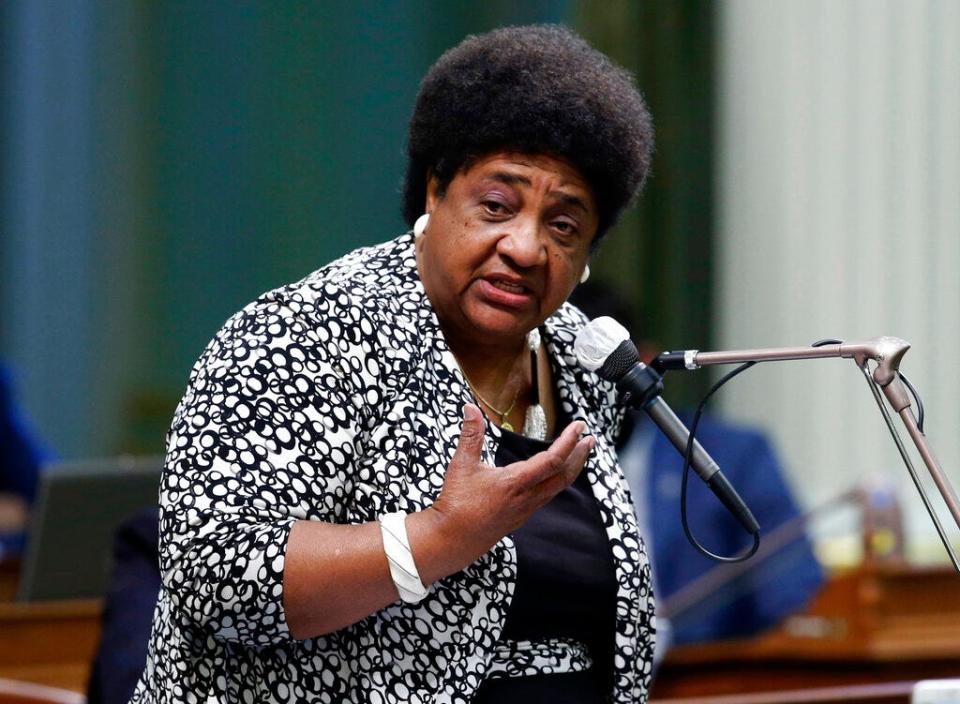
<point>505,293</point>
<point>507,286</point>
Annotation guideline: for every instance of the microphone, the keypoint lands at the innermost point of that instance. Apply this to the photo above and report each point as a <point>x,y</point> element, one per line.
<point>604,346</point>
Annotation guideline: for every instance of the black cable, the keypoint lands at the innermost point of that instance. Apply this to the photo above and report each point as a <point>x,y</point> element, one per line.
<point>688,460</point>
<point>916,397</point>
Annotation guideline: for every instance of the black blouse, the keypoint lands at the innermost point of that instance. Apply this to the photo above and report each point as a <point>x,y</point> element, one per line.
<point>566,588</point>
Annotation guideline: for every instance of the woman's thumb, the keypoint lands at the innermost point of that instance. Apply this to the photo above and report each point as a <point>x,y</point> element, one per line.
<point>471,434</point>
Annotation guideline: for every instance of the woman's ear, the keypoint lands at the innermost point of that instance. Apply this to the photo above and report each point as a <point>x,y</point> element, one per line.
<point>433,192</point>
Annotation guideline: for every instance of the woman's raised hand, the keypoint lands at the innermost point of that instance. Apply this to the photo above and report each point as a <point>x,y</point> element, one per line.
<point>336,574</point>
<point>480,504</point>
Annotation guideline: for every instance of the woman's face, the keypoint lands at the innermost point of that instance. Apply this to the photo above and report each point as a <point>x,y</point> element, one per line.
<point>505,245</point>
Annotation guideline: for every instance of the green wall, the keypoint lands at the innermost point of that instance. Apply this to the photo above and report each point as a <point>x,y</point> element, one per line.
<point>278,146</point>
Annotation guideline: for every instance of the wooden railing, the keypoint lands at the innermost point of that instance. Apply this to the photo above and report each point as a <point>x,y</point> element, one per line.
<point>887,693</point>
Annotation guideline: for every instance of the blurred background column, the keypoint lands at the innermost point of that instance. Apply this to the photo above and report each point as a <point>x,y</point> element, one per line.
<point>50,316</point>
<point>839,216</point>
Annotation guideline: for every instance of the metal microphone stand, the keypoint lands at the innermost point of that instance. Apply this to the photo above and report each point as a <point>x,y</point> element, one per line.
<point>884,380</point>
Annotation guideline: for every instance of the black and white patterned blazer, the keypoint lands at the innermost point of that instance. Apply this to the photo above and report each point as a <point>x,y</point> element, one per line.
<point>337,399</point>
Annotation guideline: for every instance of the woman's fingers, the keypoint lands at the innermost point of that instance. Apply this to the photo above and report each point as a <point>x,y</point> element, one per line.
<point>554,484</point>
<point>564,457</point>
<point>478,504</point>
<point>579,456</point>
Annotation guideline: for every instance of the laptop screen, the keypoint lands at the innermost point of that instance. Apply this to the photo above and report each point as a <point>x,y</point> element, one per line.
<point>78,509</point>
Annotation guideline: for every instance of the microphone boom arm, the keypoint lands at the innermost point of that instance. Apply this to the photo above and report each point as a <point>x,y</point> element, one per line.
<point>885,353</point>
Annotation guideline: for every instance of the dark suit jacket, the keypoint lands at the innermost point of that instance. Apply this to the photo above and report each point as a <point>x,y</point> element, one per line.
<point>128,611</point>
<point>772,588</point>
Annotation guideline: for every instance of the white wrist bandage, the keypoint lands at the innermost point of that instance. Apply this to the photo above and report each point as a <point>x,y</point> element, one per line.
<point>403,570</point>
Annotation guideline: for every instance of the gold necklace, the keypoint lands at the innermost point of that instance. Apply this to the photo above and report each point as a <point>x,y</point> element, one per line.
<point>505,424</point>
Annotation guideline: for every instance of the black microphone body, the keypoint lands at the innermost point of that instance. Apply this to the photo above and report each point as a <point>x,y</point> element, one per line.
<point>642,385</point>
<point>704,465</point>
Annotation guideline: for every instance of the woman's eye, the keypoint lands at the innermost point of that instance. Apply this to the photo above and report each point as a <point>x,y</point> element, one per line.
<point>495,207</point>
<point>565,227</point>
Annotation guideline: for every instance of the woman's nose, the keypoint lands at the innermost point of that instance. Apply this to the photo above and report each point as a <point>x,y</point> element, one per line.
<point>522,243</point>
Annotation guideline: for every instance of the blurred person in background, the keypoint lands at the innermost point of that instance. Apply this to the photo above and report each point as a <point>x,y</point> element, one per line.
<point>391,481</point>
<point>21,457</point>
<point>763,591</point>
<point>127,610</point>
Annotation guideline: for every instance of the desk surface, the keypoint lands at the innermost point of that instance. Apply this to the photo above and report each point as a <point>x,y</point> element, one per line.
<point>49,643</point>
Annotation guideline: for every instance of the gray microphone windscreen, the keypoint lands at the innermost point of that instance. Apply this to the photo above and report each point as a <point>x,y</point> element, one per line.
<point>597,340</point>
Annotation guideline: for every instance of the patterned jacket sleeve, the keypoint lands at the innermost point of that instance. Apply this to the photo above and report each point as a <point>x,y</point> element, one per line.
<point>265,435</point>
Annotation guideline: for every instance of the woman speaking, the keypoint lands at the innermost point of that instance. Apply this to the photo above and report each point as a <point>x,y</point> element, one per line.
<point>390,481</point>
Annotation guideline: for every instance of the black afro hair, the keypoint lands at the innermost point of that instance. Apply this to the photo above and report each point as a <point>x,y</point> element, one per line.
<point>537,89</point>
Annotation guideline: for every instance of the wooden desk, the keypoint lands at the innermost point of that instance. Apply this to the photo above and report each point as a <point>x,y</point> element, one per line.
<point>50,643</point>
<point>872,624</point>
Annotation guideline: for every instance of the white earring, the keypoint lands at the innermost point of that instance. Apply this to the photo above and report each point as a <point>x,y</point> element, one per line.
<point>585,275</point>
<point>420,226</point>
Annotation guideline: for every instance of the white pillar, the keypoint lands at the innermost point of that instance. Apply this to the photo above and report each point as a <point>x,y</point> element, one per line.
<point>839,207</point>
